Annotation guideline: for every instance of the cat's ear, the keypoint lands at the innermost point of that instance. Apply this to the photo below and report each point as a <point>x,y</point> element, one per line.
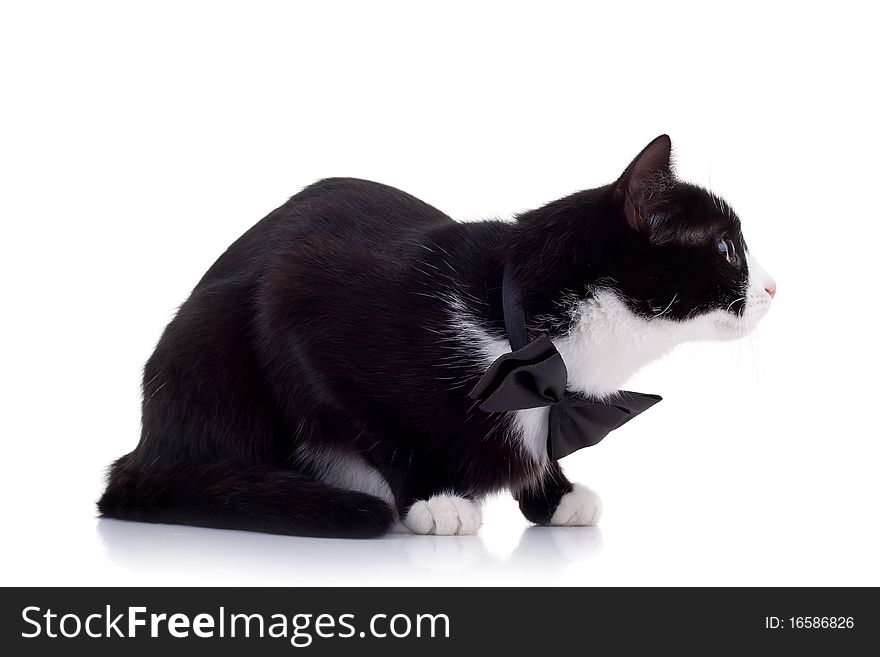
<point>640,187</point>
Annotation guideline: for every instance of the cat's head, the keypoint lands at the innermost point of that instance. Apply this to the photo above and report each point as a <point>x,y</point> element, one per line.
<point>683,257</point>
<point>621,274</point>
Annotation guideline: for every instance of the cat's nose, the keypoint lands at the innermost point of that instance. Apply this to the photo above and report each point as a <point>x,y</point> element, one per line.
<point>771,290</point>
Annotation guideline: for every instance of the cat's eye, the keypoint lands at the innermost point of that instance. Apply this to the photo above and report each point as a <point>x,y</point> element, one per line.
<point>726,248</point>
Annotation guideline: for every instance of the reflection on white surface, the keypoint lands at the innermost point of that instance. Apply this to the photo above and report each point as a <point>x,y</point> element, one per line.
<point>187,555</point>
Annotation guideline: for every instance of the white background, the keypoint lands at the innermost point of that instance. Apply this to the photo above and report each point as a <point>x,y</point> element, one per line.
<point>137,140</point>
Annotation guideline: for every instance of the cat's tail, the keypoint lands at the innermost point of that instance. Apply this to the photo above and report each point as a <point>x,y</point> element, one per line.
<point>256,498</point>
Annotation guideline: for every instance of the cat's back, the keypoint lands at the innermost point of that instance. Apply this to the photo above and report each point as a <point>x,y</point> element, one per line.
<point>338,217</point>
<point>355,209</point>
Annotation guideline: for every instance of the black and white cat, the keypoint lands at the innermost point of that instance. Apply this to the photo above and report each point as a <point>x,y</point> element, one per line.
<point>316,380</point>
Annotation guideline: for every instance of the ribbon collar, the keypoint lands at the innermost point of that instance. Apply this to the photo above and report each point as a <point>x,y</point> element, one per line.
<point>534,375</point>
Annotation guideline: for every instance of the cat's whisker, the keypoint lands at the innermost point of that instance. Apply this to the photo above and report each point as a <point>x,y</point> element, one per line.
<point>668,306</point>
<point>734,302</point>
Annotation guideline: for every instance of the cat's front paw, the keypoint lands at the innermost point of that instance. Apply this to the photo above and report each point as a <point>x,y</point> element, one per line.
<point>444,515</point>
<point>581,507</point>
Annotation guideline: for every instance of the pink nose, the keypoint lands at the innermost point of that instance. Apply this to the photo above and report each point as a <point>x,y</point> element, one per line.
<point>771,290</point>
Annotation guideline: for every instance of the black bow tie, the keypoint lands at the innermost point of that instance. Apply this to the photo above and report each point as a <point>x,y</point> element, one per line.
<point>533,374</point>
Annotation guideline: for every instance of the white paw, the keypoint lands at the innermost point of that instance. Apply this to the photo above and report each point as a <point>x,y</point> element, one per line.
<point>444,515</point>
<point>580,508</point>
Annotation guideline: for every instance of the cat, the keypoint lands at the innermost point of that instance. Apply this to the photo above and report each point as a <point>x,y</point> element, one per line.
<point>316,380</point>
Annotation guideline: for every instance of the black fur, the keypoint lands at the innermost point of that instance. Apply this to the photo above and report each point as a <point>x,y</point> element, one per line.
<point>326,325</point>
<point>538,503</point>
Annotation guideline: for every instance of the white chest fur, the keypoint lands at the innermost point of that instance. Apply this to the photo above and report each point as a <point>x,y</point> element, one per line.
<point>606,344</point>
